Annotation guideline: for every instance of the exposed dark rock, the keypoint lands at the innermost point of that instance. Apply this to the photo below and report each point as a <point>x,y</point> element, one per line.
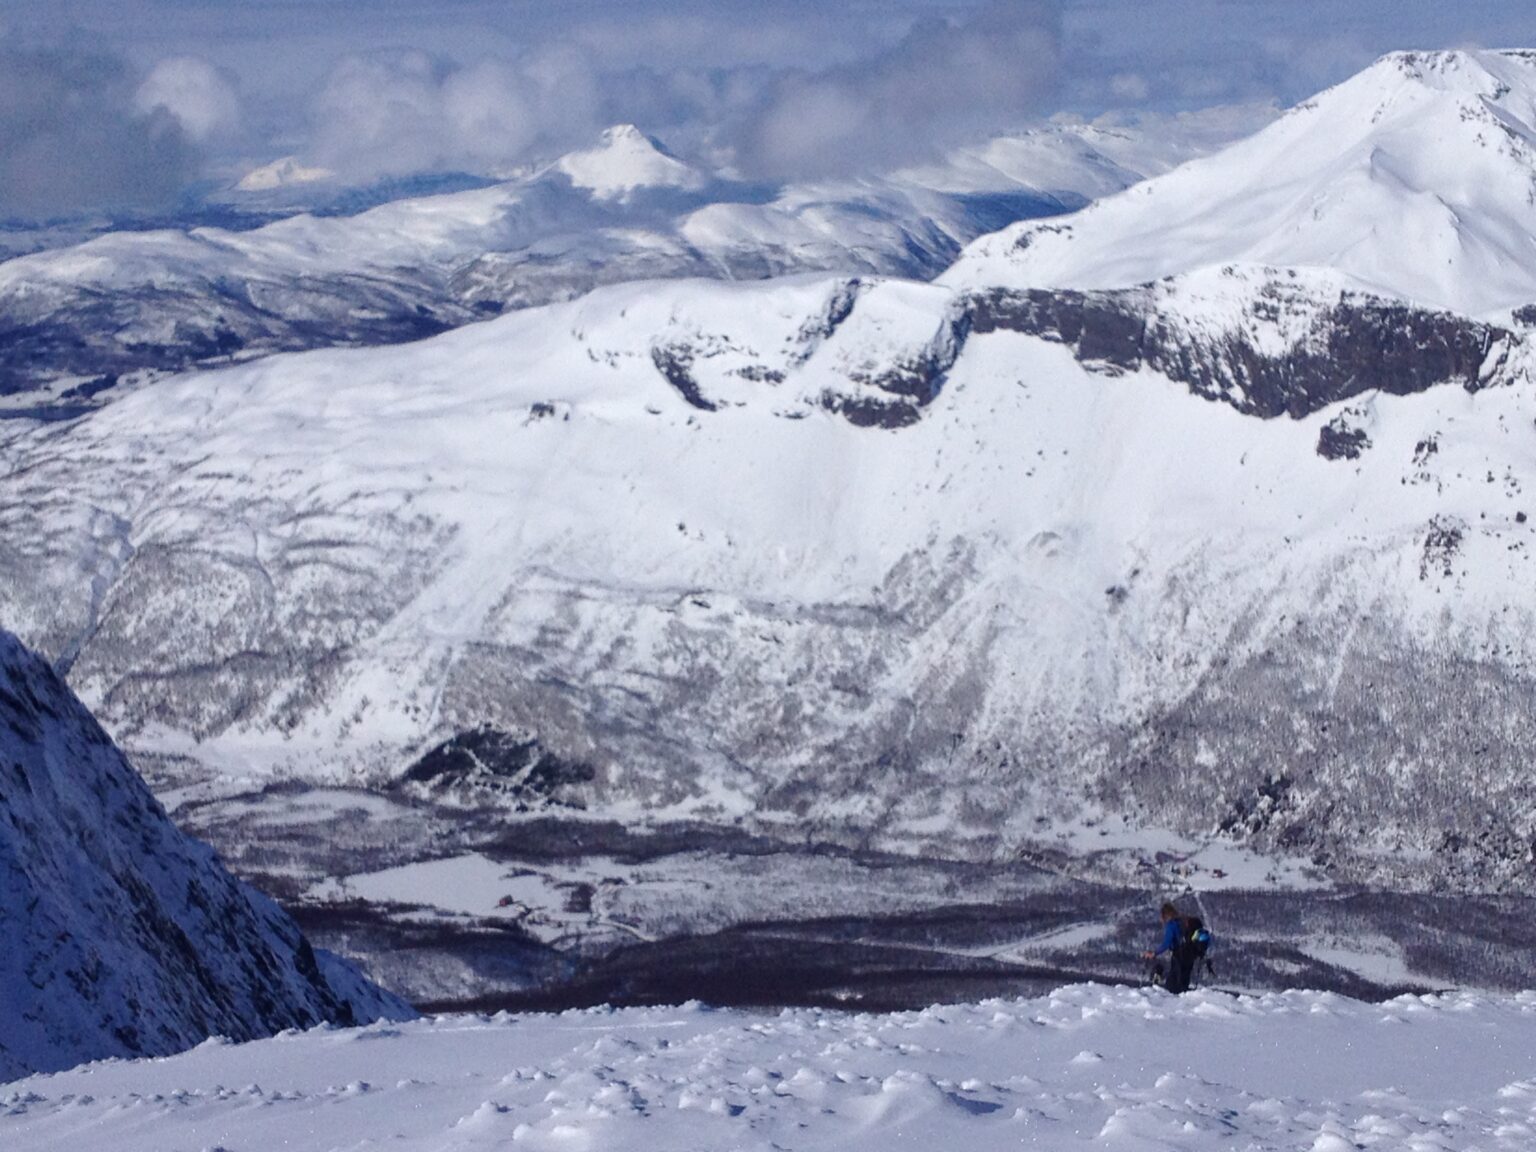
<point>489,759</point>
<point>675,362</point>
<point>1104,329</point>
<point>1354,345</point>
<point>921,377</point>
<point>839,307</point>
<point>1028,237</point>
<point>869,412</point>
<point>91,388</point>
<point>1441,544</point>
<point>915,380</point>
<point>1340,440</point>
<point>759,374</point>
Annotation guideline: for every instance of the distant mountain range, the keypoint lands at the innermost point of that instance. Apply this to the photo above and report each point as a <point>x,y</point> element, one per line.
<point>79,320</point>
<point>1206,509</point>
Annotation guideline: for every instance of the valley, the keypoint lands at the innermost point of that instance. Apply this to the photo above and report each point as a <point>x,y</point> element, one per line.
<point>551,912</point>
<point>884,632</point>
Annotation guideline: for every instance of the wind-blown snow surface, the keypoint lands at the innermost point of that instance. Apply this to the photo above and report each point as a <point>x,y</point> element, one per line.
<point>1088,1067</point>
<point>122,936</point>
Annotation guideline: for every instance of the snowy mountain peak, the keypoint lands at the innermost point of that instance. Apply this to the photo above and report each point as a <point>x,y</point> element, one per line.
<point>1415,178</point>
<point>1484,87</point>
<point>281,173</point>
<point>135,304</point>
<point>624,160</point>
<point>628,134</point>
<point>1448,70</point>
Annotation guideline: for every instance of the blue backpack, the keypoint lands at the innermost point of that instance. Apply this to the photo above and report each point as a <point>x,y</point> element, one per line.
<point>1197,937</point>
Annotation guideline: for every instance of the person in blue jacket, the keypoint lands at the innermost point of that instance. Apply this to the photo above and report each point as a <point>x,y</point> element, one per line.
<point>1181,958</point>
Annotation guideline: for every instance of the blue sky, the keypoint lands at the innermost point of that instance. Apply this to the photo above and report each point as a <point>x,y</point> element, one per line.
<point>125,101</point>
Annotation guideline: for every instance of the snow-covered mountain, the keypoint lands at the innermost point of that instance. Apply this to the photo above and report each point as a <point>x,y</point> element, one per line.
<point>124,937</point>
<point>284,172</point>
<point>1415,178</point>
<point>1221,547</point>
<point>626,161</point>
<point>752,551</point>
<point>75,320</point>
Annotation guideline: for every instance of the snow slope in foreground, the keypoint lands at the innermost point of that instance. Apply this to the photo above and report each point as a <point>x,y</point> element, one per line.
<point>1088,1067</point>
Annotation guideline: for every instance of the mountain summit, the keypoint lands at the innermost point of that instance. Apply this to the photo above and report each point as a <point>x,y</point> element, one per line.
<point>626,160</point>
<point>281,173</point>
<point>1416,179</point>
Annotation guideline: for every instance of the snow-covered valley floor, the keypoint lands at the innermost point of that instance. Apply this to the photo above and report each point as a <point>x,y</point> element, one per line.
<point>1087,1067</point>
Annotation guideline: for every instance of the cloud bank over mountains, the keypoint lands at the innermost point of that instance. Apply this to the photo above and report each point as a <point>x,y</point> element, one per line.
<point>391,110</point>
<point>122,105</point>
<point>204,101</point>
<point>943,81</point>
<point>72,137</point>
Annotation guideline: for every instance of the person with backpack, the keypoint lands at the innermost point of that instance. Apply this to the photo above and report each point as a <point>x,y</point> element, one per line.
<point>1178,944</point>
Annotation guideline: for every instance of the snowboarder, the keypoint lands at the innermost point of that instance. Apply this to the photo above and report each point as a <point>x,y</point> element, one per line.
<point>1175,944</point>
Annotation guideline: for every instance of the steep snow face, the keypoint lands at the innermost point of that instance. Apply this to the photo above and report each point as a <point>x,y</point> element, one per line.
<point>1088,1068</point>
<point>873,559</point>
<point>1415,178</point>
<point>123,937</point>
<point>626,159</point>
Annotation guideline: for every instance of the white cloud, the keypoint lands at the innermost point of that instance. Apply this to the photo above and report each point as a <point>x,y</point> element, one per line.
<point>404,112</point>
<point>900,97</point>
<point>1130,86</point>
<point>72,140</point>
<point>486,112</point>
<point>945,80</point>
<point>792,89</point>
<point>203,100</point>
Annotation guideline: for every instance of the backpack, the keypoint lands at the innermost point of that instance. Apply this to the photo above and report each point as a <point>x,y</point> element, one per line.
<point>1197,937</point>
